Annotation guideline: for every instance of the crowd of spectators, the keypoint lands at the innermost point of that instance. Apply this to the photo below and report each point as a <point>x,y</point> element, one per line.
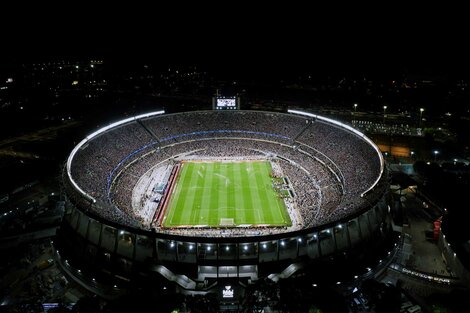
<point>328,167</point>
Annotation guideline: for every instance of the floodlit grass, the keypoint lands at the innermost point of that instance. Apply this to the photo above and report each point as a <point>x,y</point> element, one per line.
<point>207,193</point>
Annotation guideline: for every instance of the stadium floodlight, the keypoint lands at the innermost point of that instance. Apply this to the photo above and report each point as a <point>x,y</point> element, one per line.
<point>355,131</point>
<point>92,135</point>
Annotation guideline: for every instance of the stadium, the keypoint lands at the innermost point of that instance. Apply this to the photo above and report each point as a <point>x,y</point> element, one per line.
<point>204,196</point>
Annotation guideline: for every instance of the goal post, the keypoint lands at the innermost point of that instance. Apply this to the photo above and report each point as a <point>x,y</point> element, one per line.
<point>227,222</point>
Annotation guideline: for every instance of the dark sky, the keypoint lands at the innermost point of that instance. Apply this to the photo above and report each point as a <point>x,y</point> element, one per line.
<point>262,38</point>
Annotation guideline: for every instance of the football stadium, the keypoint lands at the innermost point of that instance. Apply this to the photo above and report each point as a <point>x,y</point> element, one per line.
<point>198,197</point>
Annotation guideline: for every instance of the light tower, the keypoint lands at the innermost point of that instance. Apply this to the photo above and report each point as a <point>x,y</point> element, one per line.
<point>420,116</point>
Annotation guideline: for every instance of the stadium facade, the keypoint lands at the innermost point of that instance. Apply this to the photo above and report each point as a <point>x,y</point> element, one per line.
<point>346,209</point>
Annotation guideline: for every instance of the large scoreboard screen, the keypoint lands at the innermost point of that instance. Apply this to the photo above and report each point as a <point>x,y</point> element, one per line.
<point>226,103</point>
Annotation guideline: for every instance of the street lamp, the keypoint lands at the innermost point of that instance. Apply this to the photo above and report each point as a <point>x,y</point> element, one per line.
<point>385,107</point>
<point>420,116</point>
<point>355,107</point>
<point>435,155</point>
<point>412,153</point>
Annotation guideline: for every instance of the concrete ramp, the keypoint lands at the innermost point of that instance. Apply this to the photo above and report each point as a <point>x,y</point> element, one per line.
<point>287,272</point>
<point>181,280</point>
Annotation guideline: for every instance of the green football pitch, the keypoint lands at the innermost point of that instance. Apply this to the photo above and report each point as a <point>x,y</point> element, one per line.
<point>226,194</point>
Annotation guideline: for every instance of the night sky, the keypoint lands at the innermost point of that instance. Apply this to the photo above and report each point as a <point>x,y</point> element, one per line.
<point>264,40</point>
